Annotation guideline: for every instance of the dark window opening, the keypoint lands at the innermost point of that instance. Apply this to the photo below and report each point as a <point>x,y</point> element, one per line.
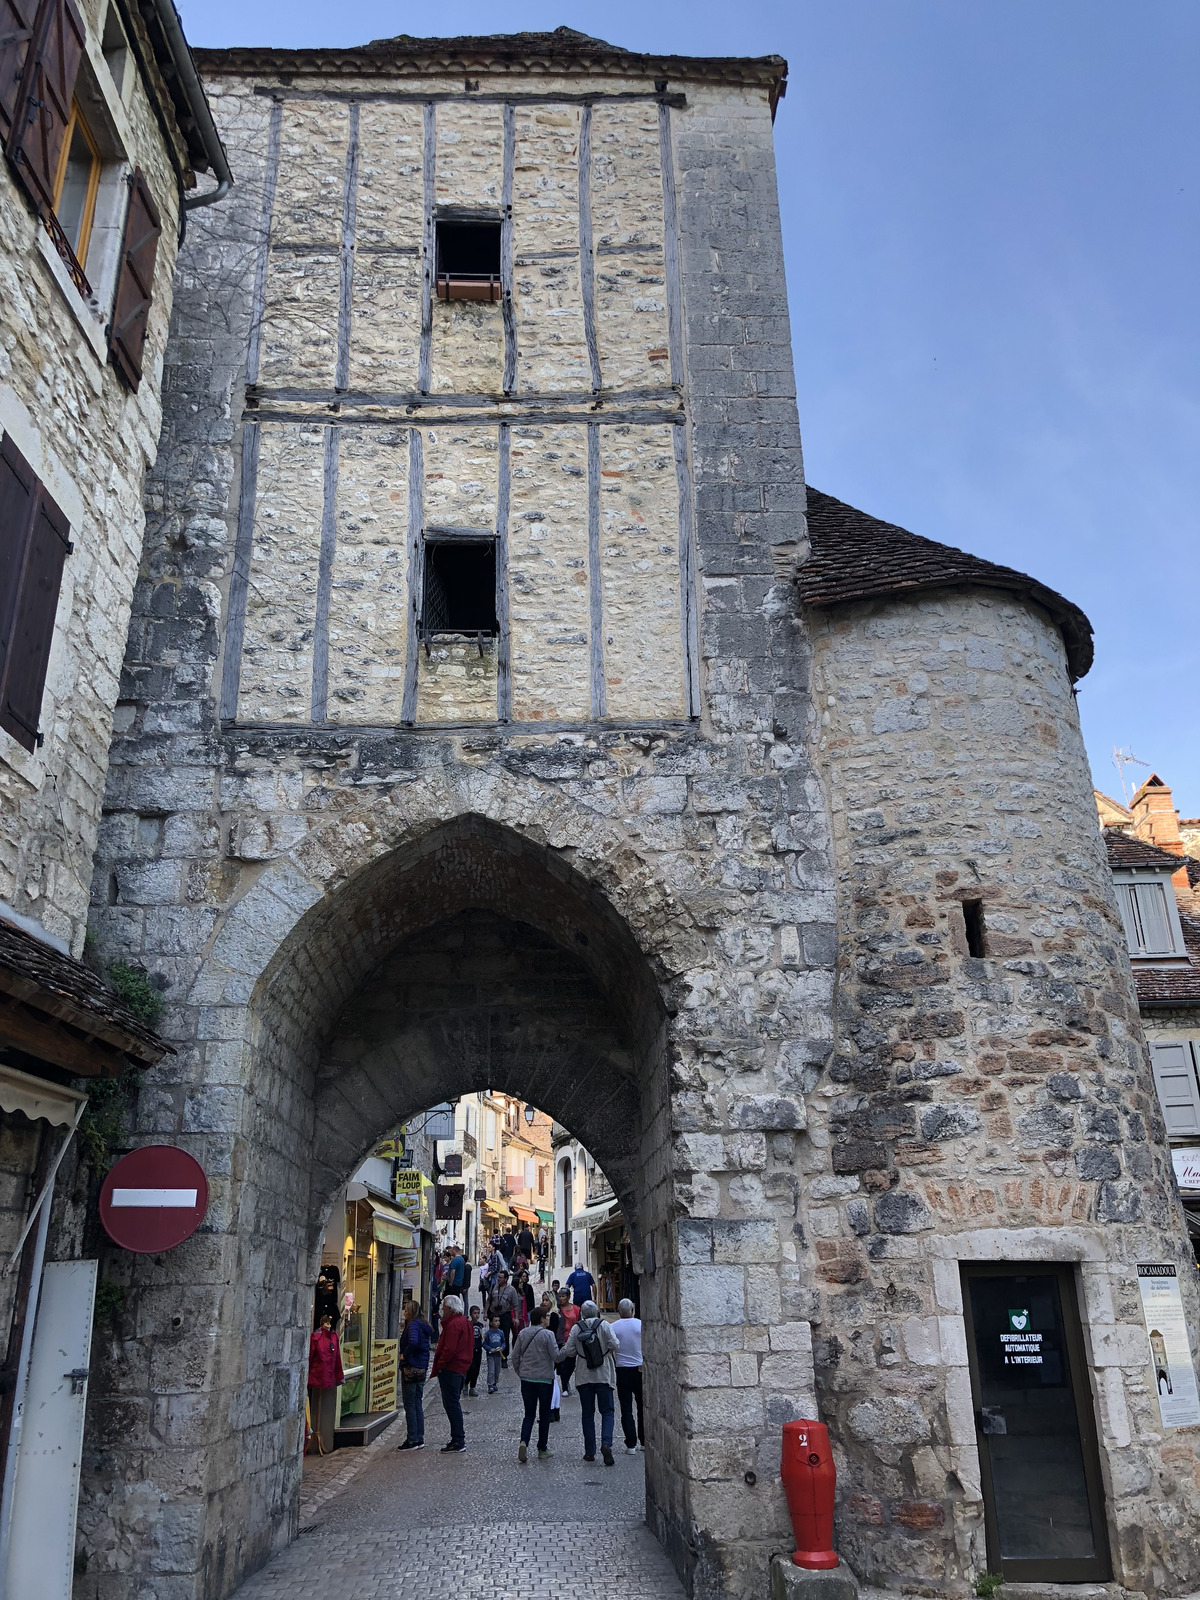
<point>468,260</point>
<point>460,588</point>
<point>976,933</point>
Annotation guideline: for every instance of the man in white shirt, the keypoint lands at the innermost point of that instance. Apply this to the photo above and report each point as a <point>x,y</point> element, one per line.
<point>628,1330</point>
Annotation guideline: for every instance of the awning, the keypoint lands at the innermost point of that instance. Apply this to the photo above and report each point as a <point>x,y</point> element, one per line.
<point>391,1226</point>
<point>36,1097</point>
<point>524,1214</point>
<point>593,1217</point>
<point>546,1217</point>
<point>497,1208</point>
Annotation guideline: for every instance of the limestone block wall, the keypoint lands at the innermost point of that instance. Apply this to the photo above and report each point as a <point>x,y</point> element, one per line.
<point>380,415</point>
<point>91,442</point>
<point>256,864</point>
<point>992,1108</point>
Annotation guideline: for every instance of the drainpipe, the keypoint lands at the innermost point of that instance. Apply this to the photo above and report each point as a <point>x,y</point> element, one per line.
<point>190,79</point>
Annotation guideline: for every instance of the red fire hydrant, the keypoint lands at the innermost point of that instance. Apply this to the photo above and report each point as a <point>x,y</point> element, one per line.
<point>809,1476</point>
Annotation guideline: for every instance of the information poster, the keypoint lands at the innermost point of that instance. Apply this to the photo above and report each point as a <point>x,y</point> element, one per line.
<point>1170,1349</point>
<point>384,1356</point>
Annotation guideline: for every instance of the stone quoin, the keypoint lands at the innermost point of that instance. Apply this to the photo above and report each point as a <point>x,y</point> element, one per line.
<point>492,716</point>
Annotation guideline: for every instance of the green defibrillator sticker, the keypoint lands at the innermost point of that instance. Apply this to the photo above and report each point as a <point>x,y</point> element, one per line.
<point>1018,1321</point>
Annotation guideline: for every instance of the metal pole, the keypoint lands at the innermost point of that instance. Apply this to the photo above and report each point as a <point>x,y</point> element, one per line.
<point>14,1434</point>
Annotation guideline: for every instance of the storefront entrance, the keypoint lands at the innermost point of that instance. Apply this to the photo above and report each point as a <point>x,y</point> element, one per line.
<point>1043,1500</point>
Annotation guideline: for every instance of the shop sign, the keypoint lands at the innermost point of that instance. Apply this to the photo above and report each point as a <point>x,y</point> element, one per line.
<point>480,1196</point>
<point>1170,1350</point>
<point>384,1356</point>
<point>391,1149</point>
<point>412,1197</point>
<point>452,1166</point>
<point>154,1198</point>
<point>450,1202</point>
<point>1186,1161</point>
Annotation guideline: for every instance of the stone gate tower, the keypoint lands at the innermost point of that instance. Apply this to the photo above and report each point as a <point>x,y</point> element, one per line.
<point>467,739</point>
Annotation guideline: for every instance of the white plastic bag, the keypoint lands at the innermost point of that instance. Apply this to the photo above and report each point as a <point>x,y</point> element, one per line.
<point>556,1396</point>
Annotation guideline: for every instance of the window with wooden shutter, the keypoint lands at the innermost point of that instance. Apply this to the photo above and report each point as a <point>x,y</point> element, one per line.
<point>1145,913</point>
<point>135,282</point>
<point>36,142</point>
<point>34,543</point>
<point>17,21</point>
<point>1175,1080</point>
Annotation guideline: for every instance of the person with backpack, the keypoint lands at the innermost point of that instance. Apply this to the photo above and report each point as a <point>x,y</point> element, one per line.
<point>533,1358</point>
<point>592,1345</point>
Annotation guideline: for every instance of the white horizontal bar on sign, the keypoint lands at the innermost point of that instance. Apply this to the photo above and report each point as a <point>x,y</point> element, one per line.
<point>177,1199</point>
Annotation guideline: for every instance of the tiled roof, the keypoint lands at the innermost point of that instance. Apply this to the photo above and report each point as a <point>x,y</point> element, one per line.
<point>857,557</point>
<point>1173,986</point>
<point>564,51</point>
<point>1124,850</point>
<point>56,984</point>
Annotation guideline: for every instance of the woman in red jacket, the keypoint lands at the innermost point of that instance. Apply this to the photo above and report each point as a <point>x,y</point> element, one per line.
<point>451,1363</point>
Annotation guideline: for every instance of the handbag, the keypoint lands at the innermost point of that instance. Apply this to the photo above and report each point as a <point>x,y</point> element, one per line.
<point>413,1374</point>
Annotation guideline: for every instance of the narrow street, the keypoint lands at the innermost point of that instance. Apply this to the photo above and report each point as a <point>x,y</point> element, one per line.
<point>477,1525</point>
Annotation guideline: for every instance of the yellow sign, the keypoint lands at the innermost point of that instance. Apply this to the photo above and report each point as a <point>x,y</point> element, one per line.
<point>413,1196</point>
<point>392,1148</point>
<point>384,1357</point>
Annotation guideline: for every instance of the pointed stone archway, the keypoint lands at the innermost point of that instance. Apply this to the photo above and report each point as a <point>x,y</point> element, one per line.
<point>440,955</point>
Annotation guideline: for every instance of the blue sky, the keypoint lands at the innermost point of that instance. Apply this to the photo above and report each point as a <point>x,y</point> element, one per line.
<point>990,221</point>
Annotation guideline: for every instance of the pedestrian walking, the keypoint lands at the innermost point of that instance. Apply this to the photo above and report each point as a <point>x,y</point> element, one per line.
<point>415,1338</point>
<point>628,1331</point>
<point>581,1284</point>
<point>568,1317</point>
<point>508,1246</point>
<point>525,1243</point>
<point>504,1304</point>
<point>493,1346</point>
<point>533,1358</point>
<point>451,1362</point>
<point>594,1341</point>
<point>478,1330</point>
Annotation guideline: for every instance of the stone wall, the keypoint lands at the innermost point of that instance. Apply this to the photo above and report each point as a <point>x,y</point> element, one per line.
<point>991,1108</point>
<point>91,442</point>
<point>679,865</point>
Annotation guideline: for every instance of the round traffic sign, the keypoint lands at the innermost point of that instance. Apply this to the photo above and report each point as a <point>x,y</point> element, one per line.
<point>153,1198</point>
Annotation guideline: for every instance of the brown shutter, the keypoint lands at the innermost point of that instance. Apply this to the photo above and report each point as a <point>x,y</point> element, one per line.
<point>17,18</point>
<point>127,339</point>
<point>32,629</point>
<point>18,497</point>
<point>36,141</point>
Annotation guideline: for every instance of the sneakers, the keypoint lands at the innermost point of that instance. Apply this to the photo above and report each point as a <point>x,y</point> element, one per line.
<point>589,1458</point>
<point>472,1394</point>
<point>544,1455</point>
<point>452,1448</point>
<point>631,1449</point>
<point>522,1452</point>
<point>412,1444</point>
<point>607,1454</point>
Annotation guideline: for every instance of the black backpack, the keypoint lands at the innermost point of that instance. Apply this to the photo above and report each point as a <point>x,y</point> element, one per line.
<point>590,1344</point>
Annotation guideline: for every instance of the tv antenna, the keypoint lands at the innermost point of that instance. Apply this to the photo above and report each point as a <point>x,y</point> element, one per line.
<point>1124,757</point>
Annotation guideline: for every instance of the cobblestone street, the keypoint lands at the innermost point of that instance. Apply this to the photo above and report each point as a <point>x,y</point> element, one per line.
<point>383,1523</point>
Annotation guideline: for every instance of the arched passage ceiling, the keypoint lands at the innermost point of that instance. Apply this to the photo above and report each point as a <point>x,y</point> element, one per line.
<point>469,958</point>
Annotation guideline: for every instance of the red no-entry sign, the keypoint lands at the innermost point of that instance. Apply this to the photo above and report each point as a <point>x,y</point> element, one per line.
<point>153,1198</point>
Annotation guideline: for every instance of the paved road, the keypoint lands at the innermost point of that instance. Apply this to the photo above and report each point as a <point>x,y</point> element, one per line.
<point>419,1523</point>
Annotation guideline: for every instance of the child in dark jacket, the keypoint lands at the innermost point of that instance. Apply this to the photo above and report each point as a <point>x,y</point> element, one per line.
<point>493,1345</point>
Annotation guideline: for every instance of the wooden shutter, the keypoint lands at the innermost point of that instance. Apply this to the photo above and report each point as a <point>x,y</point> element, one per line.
<point>36,142</point>
<point>17,19</point>
<point>31,631</point>
<point>127,338</point>
<point>1175,1080</point>
<point>18,498</point>
<point>1151,901</point>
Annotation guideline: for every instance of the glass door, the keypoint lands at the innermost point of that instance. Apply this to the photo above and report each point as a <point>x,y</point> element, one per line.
<point>1043,1501</point>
